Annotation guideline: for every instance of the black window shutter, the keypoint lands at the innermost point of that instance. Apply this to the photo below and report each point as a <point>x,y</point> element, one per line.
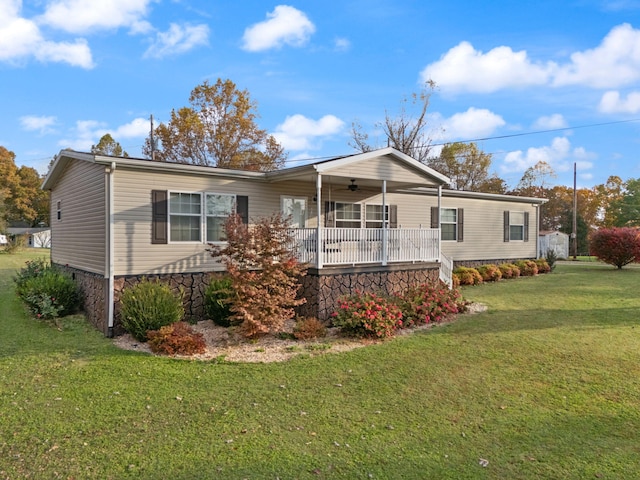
<point>435,221</point>
<point>461,224</point>
<point>329,214</point>
<point>506,225</point>
<point>159,216</point>
<point>242,208</point>
<point>526,226</point>
<point>393,216</point>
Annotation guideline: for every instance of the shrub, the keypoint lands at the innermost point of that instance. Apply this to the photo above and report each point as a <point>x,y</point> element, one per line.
<point>543,265</point>
<point>265,273</point>
<point>149,306</point>
<point>176,339</point>
<point>528,268</point>
<point>552,257</point>
<point>33,268</point>
<point>426,303</point>
<point>489,273</point>
<point>616,246</point>
<point>367,315</point>
<point>16,243</point>
<point>309,327</point>
<point>217,301</point>
<point>509,270</point>
<point>50,294</point>
<point>455,280</point>
<point>468,276</point>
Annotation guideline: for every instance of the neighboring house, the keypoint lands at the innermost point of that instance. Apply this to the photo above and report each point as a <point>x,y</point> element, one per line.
<point>3,240</point>
<point>556,241</point>
<point>365,221</point>
<point>37,237</point>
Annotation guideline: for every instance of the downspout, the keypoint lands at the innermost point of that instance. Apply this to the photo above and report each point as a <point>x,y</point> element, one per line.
<point>109,263</point>
<point>537,230</point>
<point>385,232</point>
<point>319,226</point>
<point>440,223</point>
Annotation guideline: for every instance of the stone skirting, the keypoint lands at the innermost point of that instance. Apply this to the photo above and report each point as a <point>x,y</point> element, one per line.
<point>477,263</point>
<point>322,288</point>
<point>93,292</point>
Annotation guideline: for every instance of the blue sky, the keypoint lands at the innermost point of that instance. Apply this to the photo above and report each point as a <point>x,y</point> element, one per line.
<point>72,70</point>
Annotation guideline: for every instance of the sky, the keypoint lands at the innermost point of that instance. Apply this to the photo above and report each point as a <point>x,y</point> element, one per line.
<point>555,81</point>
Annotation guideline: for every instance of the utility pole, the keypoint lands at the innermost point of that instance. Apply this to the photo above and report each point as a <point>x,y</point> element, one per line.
<point>574,234</point>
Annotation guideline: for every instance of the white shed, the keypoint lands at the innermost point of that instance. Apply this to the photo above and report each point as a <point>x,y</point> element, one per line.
<point>556,241</point>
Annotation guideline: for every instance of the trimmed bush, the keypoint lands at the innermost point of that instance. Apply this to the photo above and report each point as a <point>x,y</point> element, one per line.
<point>218,298</point>
<point>489,273</point>
<point>367,315</point>
<point>49,294</point>
<point>427,303</point>
<point>528,268</point>
<point>509,270</point>
<point>149,306</point>
<point>616,246</point>
<point>543,265</point>
<point>309,327</point>
<point>468,276</point>
<point>176,339</point>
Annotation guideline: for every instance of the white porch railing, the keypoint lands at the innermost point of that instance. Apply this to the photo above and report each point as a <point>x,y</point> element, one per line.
<point>446,269</point>
<point>353,246</point>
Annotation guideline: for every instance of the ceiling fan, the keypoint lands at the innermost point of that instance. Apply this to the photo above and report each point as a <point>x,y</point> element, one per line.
<point>353,187</point>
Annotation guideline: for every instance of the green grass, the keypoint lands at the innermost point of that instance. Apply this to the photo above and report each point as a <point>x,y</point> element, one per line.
<point>543,385</point>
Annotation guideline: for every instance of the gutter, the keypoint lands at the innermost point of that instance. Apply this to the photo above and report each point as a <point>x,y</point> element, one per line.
<point>109,250</point>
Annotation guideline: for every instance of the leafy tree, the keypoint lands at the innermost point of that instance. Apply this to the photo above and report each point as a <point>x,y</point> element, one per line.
<point>20,194</point>
<point>108,146</point>
<point>608,195</point>
<point>264,272</point>
<point>405,132</point>
<point>218,129</point>
<point>616,246</point>
<point>468,168</point>
<point>627,207</point>
<point>534,181</point>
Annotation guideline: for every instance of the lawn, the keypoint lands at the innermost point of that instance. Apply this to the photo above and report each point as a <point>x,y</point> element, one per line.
<point>542,385</point>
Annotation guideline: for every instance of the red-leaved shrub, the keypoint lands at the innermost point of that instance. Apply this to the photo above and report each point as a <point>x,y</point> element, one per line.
<point>543,265</point>
<point>309,327</point>
<point>427,303</point>
<point>367,315</point>
<point>176,339</point>
<point>528,268</point>
<point>616,246</point>
<point>489,273</point>
<point>509,270</point>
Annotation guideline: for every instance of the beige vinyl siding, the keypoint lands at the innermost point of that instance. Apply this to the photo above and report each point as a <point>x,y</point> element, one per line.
<point>134,253</point>
<point>380,168</point>
<point>79,238</point>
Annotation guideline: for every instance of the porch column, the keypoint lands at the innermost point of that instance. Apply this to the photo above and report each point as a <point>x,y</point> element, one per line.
<point>385,223</point>
<point>319,226</point>
<point>440,223</point>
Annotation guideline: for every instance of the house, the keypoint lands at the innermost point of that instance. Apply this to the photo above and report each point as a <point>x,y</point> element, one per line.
<point>37,237</point>
<point>378,220</point>
<point>556,241</point>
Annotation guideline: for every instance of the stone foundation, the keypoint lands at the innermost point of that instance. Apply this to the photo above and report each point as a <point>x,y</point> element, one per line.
<point>322,288</point>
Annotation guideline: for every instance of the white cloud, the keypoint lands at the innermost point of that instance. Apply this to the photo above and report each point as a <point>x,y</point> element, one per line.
<point>474,123</point>
<point>550,122</point>
<point>88,132</point>
<point>85,16</point>
<point>464,68</point>
<point>298,132</point>
<point>43,124</point>
<point>560,155</point>
<point>21,39</point>
<point>342,44</point>
<point>178,39</point>
<point>612,102</point>
<point>615,62</point>
<point>284,26</point>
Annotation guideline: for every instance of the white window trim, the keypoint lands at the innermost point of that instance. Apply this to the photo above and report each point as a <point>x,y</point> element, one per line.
<point>335,213</point>
<point>296,197</point>
<point>204,214</point>
<point>516,225</point>
<point>185,242</point>
<point>381,222</point>
<point>450,223</point>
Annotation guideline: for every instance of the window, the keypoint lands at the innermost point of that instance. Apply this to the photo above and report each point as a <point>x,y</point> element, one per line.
<point>373,216</point>
<point>59,209</point>
<point>449,224</point>
<point>218,208</point>
<point>516,226</point>
<point>185,217</point>
<point>348,215</point>
<point>296,209</point>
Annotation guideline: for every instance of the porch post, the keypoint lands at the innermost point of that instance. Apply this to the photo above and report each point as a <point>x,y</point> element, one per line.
<point>319,227</point>
<point>440,223</point>
<point>385,223</point>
